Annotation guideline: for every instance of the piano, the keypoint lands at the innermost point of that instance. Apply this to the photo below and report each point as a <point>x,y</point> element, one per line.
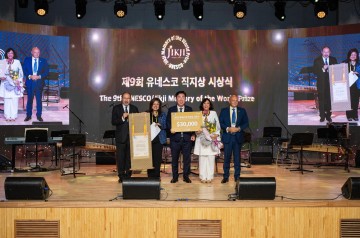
<point>56,142</point>
<point>20,141</point>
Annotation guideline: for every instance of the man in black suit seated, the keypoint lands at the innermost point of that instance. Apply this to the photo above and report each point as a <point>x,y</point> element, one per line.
<point>180,141</point>
<point>321,69</point>
<point>120,119</point>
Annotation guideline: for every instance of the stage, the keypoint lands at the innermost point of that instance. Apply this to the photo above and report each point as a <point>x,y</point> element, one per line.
<point>91,205</point>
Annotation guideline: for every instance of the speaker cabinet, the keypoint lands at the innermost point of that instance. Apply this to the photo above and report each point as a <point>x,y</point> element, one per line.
<point>26,188</point>
<point>351,188</point>
<point>261,158</point>
<point>105,158</point>
<point>141,188</point>
<point>256,188</point>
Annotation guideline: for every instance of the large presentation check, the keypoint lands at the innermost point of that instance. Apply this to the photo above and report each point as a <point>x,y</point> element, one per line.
<point>186,121</point>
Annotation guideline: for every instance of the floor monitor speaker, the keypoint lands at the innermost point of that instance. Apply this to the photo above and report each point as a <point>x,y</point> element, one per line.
<point>26,188</point>
<point>351,188</point>
<point>141,188</point>
<point>256,188</point>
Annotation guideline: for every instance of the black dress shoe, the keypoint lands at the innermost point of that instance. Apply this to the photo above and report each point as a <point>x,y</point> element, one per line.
<point>329,120</point>
<point>322,119</point>
<point>187,180</point>
<point>120,180</point>
<point>174,180</point>
<point>224,180</point>
<point>349,119</point>
<point>27,118</point>
<point>40,118</point>
<point>356,119</point>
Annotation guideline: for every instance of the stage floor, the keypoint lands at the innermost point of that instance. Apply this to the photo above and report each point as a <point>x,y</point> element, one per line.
<point>100,184</point>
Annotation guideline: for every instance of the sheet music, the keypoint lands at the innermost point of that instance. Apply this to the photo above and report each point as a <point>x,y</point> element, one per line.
<point>352,78</point>
<point>155,130</point>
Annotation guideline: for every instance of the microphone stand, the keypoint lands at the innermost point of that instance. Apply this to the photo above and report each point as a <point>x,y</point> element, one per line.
<point>287,135</point>
<point>80,121</point>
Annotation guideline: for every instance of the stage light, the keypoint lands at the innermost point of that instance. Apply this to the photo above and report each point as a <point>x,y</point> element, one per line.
<point>41,7</point>
<point>321,10</point>
<point>120,8</point>
<point>185,4</point>
<point>23,3</point>
<point>198,9</point>
<point>239,9</point>
<point>159,8</point>
<point>280,10</point>
<point>80,8</point>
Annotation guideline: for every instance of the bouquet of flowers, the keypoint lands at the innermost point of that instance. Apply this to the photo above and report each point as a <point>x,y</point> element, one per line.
<point>207,130</point>
<point>14,83</point>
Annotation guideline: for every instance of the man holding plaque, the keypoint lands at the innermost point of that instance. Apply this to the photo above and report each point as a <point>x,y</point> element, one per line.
<point>120,119</point>
<point>180,141</point>
<point>233,122</point>
<point>321,69</point>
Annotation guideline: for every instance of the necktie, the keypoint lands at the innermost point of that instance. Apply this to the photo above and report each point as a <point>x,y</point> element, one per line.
<point>126,109</point>
<point>35,66</point>
<point>326,61</point>
<point>181,109</point>
<point>233,117</point>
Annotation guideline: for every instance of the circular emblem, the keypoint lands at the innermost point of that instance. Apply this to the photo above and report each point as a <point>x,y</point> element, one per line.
<point>175,52</point>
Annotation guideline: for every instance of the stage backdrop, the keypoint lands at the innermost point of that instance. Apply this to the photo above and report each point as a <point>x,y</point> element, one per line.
<point>103,63</point>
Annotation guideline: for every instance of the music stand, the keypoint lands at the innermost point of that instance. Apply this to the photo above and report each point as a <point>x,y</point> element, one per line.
<point>110,134</point>
<point>36,135</point>
<point>73,140</point>
<point>301,139</point>
<point>60,133</point>
<point>272,132</point>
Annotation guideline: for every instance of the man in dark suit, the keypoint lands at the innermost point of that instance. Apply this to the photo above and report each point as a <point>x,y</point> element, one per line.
<point>321,69</point>
<point>233,122</point>
<point>36,70</point>
<point>180,141</point>
<point>120,119</point>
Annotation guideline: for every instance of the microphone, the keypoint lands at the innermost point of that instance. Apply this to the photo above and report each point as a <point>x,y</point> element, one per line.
<point>112,104</point>
<point>66,106</point>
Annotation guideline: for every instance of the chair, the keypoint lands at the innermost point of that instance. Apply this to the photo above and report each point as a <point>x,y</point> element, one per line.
<point>284,149</point>
<point>51,92</point>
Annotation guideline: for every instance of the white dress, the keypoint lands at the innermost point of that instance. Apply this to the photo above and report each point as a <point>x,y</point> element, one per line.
<point>11,93</point>
<point>207,152</point>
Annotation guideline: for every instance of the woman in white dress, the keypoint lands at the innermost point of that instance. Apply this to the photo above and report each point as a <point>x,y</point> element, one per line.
<point>207,143</point>
<point>11,88</point>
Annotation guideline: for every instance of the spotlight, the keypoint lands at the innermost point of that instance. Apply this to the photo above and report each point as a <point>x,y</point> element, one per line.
<point>198,9</point>
<point>239,10</point>
<point>80,8</point>
<point>185,4</point>
<point>41,7</point>
<point>23,3</point>
<point>280,10</point>
<point>159,7</point>
<point>321,10</point>
<point>120,8</point>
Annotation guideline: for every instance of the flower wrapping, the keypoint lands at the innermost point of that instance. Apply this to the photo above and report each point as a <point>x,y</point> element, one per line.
<point>205,136</point>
